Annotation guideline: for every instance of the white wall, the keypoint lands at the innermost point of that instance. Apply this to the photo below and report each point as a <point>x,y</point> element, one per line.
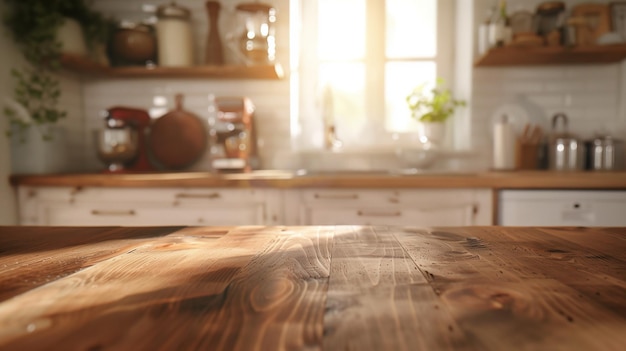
<point>8,58</point>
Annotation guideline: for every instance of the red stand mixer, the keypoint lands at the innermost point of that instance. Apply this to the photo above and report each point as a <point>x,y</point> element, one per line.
<point>122,143</point>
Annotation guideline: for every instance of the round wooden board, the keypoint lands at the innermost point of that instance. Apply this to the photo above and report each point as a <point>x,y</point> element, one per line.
<point>177,139</point>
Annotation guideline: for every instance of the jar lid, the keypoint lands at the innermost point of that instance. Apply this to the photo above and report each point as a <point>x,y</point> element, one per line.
<point>550,7</point>
<point>254,7</point>
<point>173,11</point>
<point>124,24</point>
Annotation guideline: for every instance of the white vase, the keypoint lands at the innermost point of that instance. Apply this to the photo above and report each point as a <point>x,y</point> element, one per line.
<point>70,35</point>
<point>433,132</point>
<point>38,150</point>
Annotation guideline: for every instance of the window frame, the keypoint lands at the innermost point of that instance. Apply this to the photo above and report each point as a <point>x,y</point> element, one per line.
<point>306,92</point>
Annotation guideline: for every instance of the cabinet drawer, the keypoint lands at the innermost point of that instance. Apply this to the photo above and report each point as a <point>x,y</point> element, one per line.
<point>392,197</point>
<point>562,208</point>
<point>167,195</point>
<point>448,216</point>
<point>134,215</point>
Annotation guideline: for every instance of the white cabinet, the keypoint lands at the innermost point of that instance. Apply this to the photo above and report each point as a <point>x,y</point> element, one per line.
<point>147,206</point>
<point>589,208</point>
<point>415,207</point>
<point>91,206</point>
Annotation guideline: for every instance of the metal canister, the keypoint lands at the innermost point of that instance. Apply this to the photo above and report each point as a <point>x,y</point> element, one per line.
<point>565,151</point>
<point>605,154</point>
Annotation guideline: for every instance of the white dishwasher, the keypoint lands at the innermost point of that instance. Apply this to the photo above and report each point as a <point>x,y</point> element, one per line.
<point>588,208</point>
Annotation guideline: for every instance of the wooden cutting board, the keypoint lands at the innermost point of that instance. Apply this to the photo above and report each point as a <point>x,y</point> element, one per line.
<point>178,138</point>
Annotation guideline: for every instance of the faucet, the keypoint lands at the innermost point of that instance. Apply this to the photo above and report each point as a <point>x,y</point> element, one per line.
<point>331,141</point>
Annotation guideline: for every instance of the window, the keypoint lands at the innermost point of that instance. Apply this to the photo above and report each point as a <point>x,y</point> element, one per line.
<point>356,62</point>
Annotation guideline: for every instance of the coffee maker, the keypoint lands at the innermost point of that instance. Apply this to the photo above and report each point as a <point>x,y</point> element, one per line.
<point>233,136</point>
<point>122,143</point>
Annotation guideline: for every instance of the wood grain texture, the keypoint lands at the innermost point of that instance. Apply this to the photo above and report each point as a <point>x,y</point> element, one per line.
<point>529,295</point>
<point>312,288</point>
<point>285,179</point>
<point>378,299</point>
<point>173,292</point>
<point>30,257</point>
<point>544,55</point>
<point>84,66</point>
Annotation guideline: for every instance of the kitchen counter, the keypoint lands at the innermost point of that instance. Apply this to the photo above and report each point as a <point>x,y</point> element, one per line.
<point>285,179</point>
<point>305,288</point>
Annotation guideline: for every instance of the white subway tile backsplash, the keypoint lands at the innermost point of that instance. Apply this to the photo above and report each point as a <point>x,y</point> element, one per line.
<point>562,85</point>
<point>606,85</point>
<point>519,86</point>
<point>546,100</point>
<point>589,99</point>
<point>589,95</point>
<point>533,73</point>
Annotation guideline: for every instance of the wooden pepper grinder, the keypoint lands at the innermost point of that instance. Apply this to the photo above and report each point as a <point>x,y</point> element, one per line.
<point>213,54</point>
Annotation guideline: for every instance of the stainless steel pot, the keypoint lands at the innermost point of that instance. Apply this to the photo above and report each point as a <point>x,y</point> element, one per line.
<point>565,151</point>
<point>606,154</point>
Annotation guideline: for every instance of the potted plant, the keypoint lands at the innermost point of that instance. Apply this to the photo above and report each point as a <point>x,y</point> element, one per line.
<point>432,107</point>
<point>34,25</point>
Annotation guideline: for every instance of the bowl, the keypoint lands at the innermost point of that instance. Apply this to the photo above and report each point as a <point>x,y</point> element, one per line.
<point>116,147</point>
<point>419,158</point>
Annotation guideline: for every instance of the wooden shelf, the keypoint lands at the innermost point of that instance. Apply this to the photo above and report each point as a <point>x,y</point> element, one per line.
<point>85,66</point>
<point>533,56</point>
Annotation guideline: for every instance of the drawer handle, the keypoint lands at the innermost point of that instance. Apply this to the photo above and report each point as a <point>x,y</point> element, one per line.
<point>337,196</point>
<point>198,196</point>
<point>113,213</point>
<point>379,214</point>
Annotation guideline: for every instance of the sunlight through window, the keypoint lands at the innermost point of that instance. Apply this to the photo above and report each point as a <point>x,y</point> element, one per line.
<point>370,54</point>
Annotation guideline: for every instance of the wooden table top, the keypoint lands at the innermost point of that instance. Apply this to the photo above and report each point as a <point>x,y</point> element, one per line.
<point>312,288</point>
<point>286,180</point>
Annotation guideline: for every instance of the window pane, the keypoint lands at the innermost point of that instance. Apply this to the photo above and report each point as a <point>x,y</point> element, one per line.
<point>411,28</point>
<point>341,28</point>
<point>401,79</point>
<point>347,82</point>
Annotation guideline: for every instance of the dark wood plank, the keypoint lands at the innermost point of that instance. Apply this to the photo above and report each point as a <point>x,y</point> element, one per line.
<point>85,66</point>
<point>277,301</point>
<point>606,241</point>
<point>379,300</point>
<point>545,55</point>
<point>152,297</point>
<point>253,288</point>
<point>545,308</point>
<point>33,256</point>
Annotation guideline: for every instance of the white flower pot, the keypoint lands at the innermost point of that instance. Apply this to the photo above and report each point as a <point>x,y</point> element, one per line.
<point>71,37</point>
<point>433,132</point>
<point>31,153</point>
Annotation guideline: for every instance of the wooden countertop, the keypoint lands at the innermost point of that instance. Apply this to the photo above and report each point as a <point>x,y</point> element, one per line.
<point>312,288</point>
<point>281,179</point>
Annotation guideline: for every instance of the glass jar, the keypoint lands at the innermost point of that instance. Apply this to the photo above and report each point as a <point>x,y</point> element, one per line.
<point>257,41</point>
<point>133,44</point>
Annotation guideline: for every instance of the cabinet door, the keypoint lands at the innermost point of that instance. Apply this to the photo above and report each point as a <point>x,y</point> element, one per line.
<point>146,206</point>
<point>449,216</point>
<point>588,208</point>
<point>419,207</point>
<point>135,214</point>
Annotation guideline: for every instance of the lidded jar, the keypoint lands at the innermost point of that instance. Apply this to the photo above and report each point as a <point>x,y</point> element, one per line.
<point>174,35</point>
<point>257,41</point>
<point>133,44</point>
